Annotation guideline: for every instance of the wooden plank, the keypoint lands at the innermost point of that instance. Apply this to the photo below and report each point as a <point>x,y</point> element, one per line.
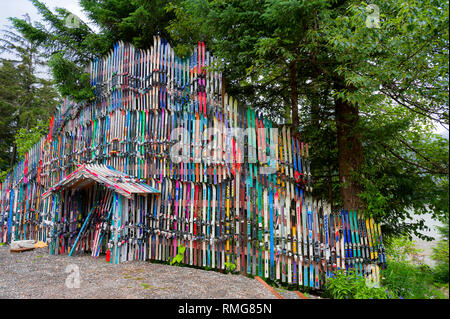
<point>302,296</point>
<point>20,250</point>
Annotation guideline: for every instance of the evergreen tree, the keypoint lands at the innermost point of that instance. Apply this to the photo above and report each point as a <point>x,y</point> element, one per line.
<point>72,47</point>
<point>26,100</point>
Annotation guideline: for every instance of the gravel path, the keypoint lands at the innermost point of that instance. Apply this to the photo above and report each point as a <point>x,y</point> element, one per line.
<point>36,274</point>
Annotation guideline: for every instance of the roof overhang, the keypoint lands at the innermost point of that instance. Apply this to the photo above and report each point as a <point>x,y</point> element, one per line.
<point>119,182</point>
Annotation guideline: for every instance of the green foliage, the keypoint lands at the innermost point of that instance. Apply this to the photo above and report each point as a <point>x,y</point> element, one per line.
<point>404,278</point>
<point>400,249</point>
<point>71,48</point>
<point>135,21</point>
<point>179,257</point>
<point>146,286</point>
<point>3,175</point>
<point>409,48</point>
<point>26,138</point>
<point>405,275</point>
<point>403,169</point>
<point>229,266</point>
<point>405,165</point>
<point>71,80</point>
<point>444,229</point>
<point>408,280</point>
<point>9,91</point>
<point>441,256</point>
<point>25,99</point>
<point>258,43</point>
<point>68,49</point>
<point>353,286</point>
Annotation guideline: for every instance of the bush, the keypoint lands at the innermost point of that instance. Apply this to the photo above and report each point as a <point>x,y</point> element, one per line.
<point>353,286</point>
<point>25,138</point>
<point>441,273</point>
<point>407,280</point>
<point>441,256</point>
<point>404,275</point>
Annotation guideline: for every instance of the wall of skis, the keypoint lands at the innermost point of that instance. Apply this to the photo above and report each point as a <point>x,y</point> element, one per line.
<point>232,198</point>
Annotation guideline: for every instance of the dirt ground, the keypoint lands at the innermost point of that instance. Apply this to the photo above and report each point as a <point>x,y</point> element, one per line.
<point>36,274</point>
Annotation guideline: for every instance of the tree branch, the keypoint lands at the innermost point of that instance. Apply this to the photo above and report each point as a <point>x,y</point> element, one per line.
<point>440,172</point>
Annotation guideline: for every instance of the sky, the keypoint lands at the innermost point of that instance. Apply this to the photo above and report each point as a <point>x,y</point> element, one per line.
<point>17,8</point>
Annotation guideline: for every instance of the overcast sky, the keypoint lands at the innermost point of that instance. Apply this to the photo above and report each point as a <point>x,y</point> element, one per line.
<point>17,8</point>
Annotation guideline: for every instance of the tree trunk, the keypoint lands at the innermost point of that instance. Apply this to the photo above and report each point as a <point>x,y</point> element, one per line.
<point>350,149</point>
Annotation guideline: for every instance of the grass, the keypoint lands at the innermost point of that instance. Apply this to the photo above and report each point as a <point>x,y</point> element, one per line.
<point>280,289</point>
<point>146,286</point>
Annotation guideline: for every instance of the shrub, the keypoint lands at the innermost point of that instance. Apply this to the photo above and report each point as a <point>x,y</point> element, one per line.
<point>404,275</point>
<point>353,286</point>
<point>407,280</point>
<point>441,256</point>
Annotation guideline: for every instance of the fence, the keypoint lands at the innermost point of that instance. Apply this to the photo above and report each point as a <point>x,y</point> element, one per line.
<point>235,189</point>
